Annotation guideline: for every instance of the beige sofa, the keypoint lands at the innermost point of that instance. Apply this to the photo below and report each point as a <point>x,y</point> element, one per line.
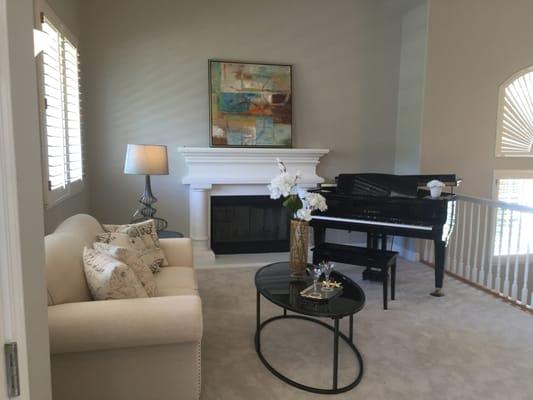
<point>121,349</point>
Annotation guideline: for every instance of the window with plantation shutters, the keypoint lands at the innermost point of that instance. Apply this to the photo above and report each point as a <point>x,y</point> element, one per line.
<point>62,139</point>
<point>515,116</point>
<point>514,229</point>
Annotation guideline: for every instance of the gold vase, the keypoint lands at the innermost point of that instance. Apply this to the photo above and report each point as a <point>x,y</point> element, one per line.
<point>299,244</point>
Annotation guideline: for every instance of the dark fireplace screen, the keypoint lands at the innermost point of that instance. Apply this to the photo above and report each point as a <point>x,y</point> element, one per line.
<point>248,224</point>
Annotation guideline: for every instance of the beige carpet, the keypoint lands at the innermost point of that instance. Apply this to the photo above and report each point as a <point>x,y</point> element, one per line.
<point>466,345</point>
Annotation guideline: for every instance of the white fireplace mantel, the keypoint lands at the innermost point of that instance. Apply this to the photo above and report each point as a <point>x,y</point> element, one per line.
<point>236,171</point>
<point>247,166</point>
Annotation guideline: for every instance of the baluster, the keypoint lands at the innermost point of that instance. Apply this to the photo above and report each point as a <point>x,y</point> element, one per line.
<point>481,279</point>
<point>462,252</point>
<point>506,282</point>
<point>514,288</point>
<point>468,268</point>
<point>525,294</point>
<point>498,279</point>
<point>476,248</point>
<point>456,237</point>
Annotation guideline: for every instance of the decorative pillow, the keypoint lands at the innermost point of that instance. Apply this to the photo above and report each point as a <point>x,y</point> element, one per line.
<point>142,237</point>
<point>109,278</point>
<point>129,257</point>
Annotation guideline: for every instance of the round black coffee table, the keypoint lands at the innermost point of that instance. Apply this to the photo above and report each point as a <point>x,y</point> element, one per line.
<point>275,284</point>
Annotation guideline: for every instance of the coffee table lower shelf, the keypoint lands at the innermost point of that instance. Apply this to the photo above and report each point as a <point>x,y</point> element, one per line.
<point>336,335</point>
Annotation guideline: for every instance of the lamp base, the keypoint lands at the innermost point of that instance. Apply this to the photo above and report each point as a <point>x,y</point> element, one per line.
<point>146,211</point>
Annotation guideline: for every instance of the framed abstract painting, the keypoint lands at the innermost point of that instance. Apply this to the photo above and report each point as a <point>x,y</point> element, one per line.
<point>250,104</point>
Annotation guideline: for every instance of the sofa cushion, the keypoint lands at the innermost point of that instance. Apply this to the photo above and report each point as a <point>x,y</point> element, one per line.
<point>65,277</point>
<point>175,281</point>
<point>129,257</point>
<point>127,323</point>
<point>145,229</point>
<point>109,278</point>
<point>142,237</point>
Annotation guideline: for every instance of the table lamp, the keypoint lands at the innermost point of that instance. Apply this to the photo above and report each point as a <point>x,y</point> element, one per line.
<point>147,159</point>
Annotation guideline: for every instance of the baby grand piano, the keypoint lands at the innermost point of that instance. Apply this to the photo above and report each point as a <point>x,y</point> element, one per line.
<point>390,205</point>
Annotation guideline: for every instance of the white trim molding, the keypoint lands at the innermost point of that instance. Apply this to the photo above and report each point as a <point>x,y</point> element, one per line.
<point>12,310</point>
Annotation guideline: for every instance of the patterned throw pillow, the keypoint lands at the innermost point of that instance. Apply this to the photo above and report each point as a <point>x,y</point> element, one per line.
<point>142,237</point>
<point>109,278</point>
<point>129,257</point>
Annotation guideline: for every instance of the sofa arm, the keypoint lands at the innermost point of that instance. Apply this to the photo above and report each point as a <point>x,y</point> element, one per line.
<point>114,324</point>
<point>177,251</point>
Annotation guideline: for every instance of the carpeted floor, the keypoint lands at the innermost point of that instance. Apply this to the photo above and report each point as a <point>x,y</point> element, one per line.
<point>466,345</point>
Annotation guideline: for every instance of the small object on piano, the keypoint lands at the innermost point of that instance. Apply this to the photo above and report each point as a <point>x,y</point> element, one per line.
<point>435,187</point>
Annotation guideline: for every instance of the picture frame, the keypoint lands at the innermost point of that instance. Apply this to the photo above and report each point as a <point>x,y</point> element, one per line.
<point>250,104</point>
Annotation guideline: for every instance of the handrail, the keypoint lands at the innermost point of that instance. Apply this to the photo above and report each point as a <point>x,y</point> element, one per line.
<point>496,203</point>
<point>491,246</point>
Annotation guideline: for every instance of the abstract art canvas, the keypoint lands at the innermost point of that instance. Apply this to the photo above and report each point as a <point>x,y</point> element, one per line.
<point>250,104</point>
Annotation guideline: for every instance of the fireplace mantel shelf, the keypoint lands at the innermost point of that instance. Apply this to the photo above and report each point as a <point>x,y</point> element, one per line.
<point>215,171</point>
<point>247,166</point>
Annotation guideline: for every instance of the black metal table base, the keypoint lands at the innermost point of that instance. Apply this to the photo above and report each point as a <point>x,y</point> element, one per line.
<point>336,334</point>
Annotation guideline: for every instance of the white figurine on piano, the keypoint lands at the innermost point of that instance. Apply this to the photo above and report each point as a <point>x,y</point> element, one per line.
<point>435,187</point>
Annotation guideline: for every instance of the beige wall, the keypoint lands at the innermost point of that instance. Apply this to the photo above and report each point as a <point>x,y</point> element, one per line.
<point>473,46</point>
<point>145,79</point>
<point>411,90</point>
<point>29,192</point>
<point>69,13</point>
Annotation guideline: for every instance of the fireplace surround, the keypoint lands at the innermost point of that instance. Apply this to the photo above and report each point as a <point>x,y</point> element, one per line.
<point>248,224</point>
<point>213,172</point>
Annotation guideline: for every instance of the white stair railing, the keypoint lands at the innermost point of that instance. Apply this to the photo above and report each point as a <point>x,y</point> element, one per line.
<point>490,247</point>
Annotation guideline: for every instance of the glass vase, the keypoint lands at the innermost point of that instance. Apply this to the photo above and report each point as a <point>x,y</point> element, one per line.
<point>299,243</point>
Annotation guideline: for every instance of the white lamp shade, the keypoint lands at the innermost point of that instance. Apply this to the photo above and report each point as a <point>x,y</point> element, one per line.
<point>146,159</point>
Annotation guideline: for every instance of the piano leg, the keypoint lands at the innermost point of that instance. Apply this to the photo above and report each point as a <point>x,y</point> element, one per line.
<point>440,251</point>
<point>383,242</point>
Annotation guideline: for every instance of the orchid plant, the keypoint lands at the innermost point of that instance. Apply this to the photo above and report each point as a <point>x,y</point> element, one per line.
<point>299,202</point>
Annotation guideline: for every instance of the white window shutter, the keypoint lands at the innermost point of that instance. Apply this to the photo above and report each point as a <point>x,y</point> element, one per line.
<point>515,116</point>
<point>517,191</point>
<point>62,121</point>
<point>72,98</point>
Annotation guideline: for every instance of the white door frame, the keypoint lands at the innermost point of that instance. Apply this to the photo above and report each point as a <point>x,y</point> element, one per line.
<point>12,317</point>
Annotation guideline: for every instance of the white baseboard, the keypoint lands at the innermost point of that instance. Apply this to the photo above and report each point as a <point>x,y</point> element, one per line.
<point>242,260</point>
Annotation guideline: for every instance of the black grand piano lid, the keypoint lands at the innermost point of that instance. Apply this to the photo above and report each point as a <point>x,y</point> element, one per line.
<point>385,185</point>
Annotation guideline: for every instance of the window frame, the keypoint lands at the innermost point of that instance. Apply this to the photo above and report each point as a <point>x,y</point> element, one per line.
<point>498,175</point>
<point>56,196</point>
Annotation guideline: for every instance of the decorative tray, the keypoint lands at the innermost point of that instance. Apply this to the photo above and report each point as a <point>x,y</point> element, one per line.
<point>321,294</point>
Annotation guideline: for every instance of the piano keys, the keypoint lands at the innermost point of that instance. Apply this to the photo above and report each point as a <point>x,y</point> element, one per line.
<point>385,205</point>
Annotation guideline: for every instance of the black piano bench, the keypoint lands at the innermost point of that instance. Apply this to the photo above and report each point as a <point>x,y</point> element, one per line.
<point>380,261</point>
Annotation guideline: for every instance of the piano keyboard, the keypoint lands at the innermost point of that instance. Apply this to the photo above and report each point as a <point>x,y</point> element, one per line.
<point>370,222</point>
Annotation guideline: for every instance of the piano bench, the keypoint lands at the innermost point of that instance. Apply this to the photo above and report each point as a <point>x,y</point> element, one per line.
<point>379,262</point>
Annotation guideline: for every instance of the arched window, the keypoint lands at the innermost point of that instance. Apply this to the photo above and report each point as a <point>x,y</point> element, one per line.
<point>515,116</point>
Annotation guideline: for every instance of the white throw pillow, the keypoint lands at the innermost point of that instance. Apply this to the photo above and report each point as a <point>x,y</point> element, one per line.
<point>142,237</point>
<point>109,278</point>
<point>129,257</point>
